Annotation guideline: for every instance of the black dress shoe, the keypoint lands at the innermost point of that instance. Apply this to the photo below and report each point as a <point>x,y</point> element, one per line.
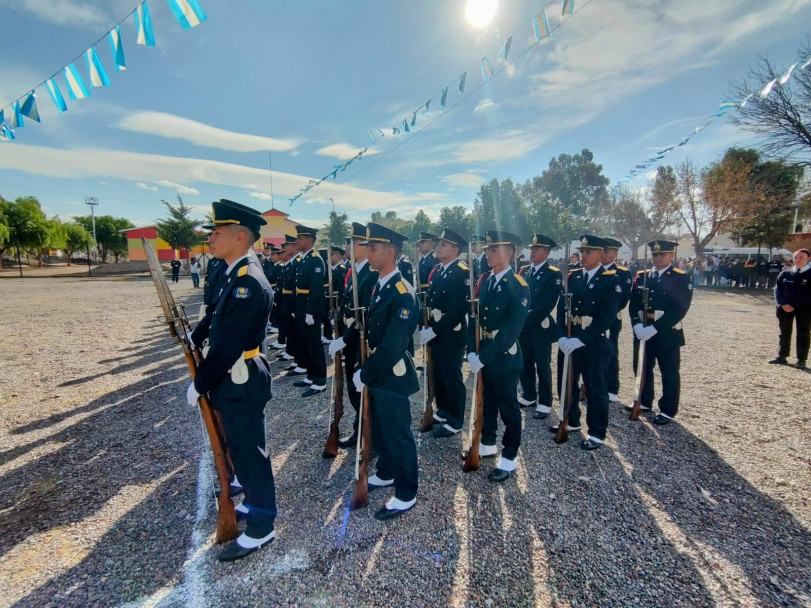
<point>499,475</point>
<point>643,408</point>
<point>293,372</point>
<point>384,514</point>
<point>313,391</point>
<point>661,420</point>
<point>301,384</point>
<point>234,551</point>
<point>349,442</point>
<point>442,431</point>
<point>554,428</point>
<point>779,361</point>
<point>232,491</point>
<point>801,365</point>
<point>540,415</point>
<point>589,444</point>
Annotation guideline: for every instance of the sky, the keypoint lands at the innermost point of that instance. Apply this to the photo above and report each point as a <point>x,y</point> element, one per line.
<point>296,86</point>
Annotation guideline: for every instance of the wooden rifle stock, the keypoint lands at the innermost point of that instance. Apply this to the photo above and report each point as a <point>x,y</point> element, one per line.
<point>226,517</point>
<point>337,394</point>
<point>427,356</point>
<point>477,402</point>
<point>562,434</point>
<point>641,354</point>
<point>360,495</point>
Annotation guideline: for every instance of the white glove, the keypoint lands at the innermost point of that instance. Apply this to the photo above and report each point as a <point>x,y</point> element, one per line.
<point>571,345</point>
<point>356,381</point>
<point>638,330</point>
<point>192,395</point>
<point>336,346</point>
<point>475,363</point>
<point>648,332</point>
<point>426,335</point>
<point>561,341</point>
<point>308,319</point>
<point>188,337</point>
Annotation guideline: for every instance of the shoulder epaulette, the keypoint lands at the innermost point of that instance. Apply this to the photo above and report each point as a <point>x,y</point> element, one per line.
<point>401,287</point>
<point>464,267</point>
<point>609,272</point>
<point>521,280</point>
<point>679,271</point>
<point>622,268</point>
<point>640,272</point>
<point>554,268</point>
<point>242,271</point>
<point>313,253</point>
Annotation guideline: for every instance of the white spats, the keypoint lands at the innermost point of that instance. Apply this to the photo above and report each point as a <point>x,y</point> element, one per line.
<point>505,464</point>
<point>487,450</point>
<point>526,402</point>
<point>376,481</point>
<point>544,409</point>
<point>395,504</point>
<point>247,542</point>
<point>595,440</point>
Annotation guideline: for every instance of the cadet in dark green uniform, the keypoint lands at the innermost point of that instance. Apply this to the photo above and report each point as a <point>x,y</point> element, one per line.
<point>540,331</point>
<point>503,306</point>
<point>670,294</point>
<point>625,280</point>
<point>446,334</point>
<point>234,375</point>
<point>389,372</point>
<point>595,297</point>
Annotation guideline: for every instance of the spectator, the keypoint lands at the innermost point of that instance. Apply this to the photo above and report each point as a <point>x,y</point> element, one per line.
<point>194,269</point>
<point>175,270</point>
<point>793,297</point>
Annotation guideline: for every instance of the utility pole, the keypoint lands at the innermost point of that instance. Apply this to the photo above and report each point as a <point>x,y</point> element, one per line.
<point>92,201</point>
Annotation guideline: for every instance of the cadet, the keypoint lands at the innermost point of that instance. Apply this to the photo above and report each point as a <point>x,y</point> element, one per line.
<point>234,375</point>
<point>389,372</point>
<point>310,310</point>
<point>406,270</point>
<point>367,277</point>
<point>480,266</point>
<point>669,296</point>
<point>625,281</point>
<point>574,261</point>
<point>338,270</point>
<point>503,304</point>
<point>446,334</point>
<point>272,269</point>
<point>520,258</point>
<point>287,299</point>
<point>427,261</point>
<point>793,296</point>
<point>545,286</point>
<point>595,297</point>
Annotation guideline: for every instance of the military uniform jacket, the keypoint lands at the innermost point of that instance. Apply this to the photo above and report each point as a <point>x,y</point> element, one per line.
<point>668,301</point>
<point>310,291</point>
<point>338,278</point>
<point>214,272</point>
<point>366,282</point>
<point>271,271</point>
<point>426,265</point>
<point>391,321</point>
<point>626,281</point>
<point>793,288</point>
<point>480,266</point>
<point>545,287</point>
<point>447,301</point>
<point>502,312</point>
<point>236,324</point>
<point>287,278</point>
<point>406,271</point>
<point>594,304</point>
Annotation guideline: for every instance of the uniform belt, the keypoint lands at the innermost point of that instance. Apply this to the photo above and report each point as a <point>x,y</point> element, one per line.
<point>304,291</point>
<point>372,351</point>
<point>489,335</point>
<point>250,354</point>
<point>287,292</point>
<point>583,321</point>
<point>425,285</point>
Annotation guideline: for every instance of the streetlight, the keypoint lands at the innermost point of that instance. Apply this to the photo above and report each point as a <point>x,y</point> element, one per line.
<point>92,201</point>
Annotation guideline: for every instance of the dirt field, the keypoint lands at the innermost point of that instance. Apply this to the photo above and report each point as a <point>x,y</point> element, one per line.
<point>105,488</point>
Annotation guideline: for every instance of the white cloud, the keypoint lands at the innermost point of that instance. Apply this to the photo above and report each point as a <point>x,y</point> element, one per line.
<point>200,134</point>
<point>179,188</point>
<point>466,179</point>
<point>505,146</point>
<point>61,12</point>
<point>484,105</point>
<point>143,186</point>
<point>344,151</point>
<point>262,195</point>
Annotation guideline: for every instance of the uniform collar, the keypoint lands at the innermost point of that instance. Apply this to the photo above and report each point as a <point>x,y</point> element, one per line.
<point>538,267</point>
<point>589,274</point>
<point>381,282</point>
<point>448,265</point>
<point>235,263</point>
<point>359,265</point>
<point>501,274</point>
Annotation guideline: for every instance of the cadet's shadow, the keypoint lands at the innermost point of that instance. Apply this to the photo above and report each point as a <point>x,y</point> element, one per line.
<point>151,356</point>
<point>146,353</point>
<point>107,503</point>
<point>697,488</point>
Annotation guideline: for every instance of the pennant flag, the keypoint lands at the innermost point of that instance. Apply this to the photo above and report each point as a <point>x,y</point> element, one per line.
<point>29,107</point>
<point>56,95</point>
<point>371,136</point>
<point>425,106</point>
<point>444,97</point>
<point>462,83</point>
<point>746,99</point>
<point>188,13</point>
<point>541,26</point>
<point>568,7</point>
<point>2,116</point>
<point>505,50</point>
<point>487,69</point>
<point>349,162</point>
<point>784,78</point>
<point>806,64</point>
<point>143,25</point>
<point>98,77</point>
<point>395,131</point>
<point>683,142</point>
<point>727,105</point>
<point>380,131</point>
<point>414,118</point>
<point>76,86</point>
<point>7,133</point>
<point>17,121</point>
<point>117,49</point>
<point>768,88</point>
<point>405,126</point>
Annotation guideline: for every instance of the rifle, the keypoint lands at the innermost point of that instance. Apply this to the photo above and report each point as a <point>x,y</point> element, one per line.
<point>477,395</point>
<point>428,386</point>
<point>639,383</point>
<point>562,435</point>
<point>360,496</point>
<point>178,325</point>
<point>336,403</point>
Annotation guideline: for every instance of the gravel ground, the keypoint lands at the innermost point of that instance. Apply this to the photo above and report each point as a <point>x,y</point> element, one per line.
<point>105,484</point>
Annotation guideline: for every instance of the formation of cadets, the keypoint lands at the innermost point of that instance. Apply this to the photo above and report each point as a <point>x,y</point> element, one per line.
<point>524,306</point>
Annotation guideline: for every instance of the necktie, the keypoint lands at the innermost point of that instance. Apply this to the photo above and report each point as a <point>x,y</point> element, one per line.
<point>492,283</point>
<point>655,275</point>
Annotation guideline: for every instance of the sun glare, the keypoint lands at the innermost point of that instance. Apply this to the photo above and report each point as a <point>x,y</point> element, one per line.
<point>480,13</point>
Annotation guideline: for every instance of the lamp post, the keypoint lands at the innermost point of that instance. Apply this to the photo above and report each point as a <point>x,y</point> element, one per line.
<point>92,201</point>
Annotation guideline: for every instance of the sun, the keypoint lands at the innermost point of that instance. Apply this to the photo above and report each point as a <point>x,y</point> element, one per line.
<point>480,13</point>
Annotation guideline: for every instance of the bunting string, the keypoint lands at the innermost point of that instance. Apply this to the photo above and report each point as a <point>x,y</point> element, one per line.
<point>188,14</point>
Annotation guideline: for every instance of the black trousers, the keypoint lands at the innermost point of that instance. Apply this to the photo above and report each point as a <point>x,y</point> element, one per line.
<point>311,353</point>
<point>500,379</point>
<point>589,363</point>
<point>175,275</point>
<point>351,364</point>
<point>242,411</point>
<point>786,320</point>
<point>537,353</point>
<point>613,378</point>
<point>394,441</point>
<point>667,354</point>
<point>284,319</point>
<point>449,388</point>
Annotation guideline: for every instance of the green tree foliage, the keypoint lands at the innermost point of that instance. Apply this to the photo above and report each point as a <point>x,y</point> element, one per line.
<point>545,215</point>
<point>29,229</point>
<point>77,238</point>
<point>458,219</point>
<point>179,230</point>
<point>578,184</point>
<point>109,238</point>
<point>336,230</point>
<point>5,232</point>
<point>499,205</point>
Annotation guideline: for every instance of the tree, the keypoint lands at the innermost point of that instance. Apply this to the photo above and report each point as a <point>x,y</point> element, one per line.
<point>5,232</point>
<point>76,239</point>
<point>28,227</point>
<point>545,215</point>
<point>500,206</point>
<point>782,117</point>
<point>577,183</point>
<point>57,235</point>
<point>458,219</point>
<point>109,238</point>
<point>336,230</point>
<point>630,222</point>
<point>179,230</point>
